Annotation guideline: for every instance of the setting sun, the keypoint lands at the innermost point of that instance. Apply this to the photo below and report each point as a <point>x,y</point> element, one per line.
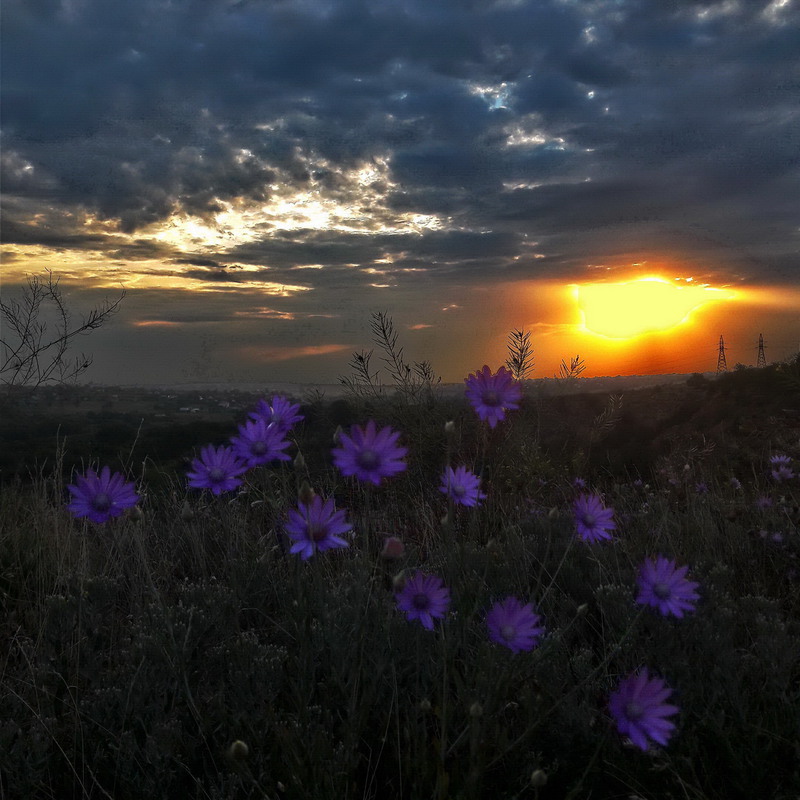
<point>644,305</point>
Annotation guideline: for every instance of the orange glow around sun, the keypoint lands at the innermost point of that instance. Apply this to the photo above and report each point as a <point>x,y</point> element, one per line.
<point>645,305</point>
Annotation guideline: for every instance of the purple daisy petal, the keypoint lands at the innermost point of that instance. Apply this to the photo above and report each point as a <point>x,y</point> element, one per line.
<point>281,412</point>
<point>218,469</point>
<point>491,395</point>
<point>424,597</point>
<point>639,709</point>
<point>100,497</point>
<point>514,625</point>
<point>369,454</point>
<point>592,519</point>
<point>316,527</point>
<point>663,585</point>
<point>260,442</point>
<point>462,486</point>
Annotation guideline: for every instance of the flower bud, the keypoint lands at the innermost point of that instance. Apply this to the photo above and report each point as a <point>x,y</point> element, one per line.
<point>538,778</point>
<point>393,548</point>
<point>450,427</point>
<point>299,462</point>
<point>135,513</point>
<point>476,710</point>
<point>399,581</point>
<point>337,434</point>
<point>581,609</point>
<point>238,750</point>
<point>187,512</point>
<point>552,513</point>
<point>425,705</point>
<point>306,493</point>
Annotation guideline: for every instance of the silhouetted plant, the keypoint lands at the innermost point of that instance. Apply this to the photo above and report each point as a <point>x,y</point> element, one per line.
<point>520,354</point>
<point>413,383</point>
<point>571,371</point>
<point>32,352</point>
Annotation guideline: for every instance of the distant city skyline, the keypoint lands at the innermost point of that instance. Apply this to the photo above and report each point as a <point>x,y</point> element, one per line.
<point>261,176</point>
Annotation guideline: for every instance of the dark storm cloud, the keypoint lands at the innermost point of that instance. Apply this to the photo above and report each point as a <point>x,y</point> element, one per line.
<point>15,232</point>
<point>512,121</point>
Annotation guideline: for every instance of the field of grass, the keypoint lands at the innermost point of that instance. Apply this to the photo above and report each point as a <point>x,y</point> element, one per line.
<point>181,650</point>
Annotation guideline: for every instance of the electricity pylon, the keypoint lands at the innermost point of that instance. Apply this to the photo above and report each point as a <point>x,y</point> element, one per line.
<point>722,364</point>
<point>762,361</point>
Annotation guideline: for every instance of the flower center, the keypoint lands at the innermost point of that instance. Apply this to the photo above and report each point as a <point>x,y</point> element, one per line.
<point>508,632</point>
<point>589,520</point>
<point>633,710</point>
<point>490,398</point>
<point>661,590</point>
<point>421,601</point>
<point>258,448</point>
<point>459,489</point>
<point>368,459</point>
<point>101,502</point>
<point>316,532</point>
<point>216,474</point>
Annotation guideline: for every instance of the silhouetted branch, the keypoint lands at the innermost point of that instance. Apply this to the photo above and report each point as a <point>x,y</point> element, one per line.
<point>34,353</point>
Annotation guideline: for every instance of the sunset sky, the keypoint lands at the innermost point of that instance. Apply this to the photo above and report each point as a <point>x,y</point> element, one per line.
<point>262,175</point>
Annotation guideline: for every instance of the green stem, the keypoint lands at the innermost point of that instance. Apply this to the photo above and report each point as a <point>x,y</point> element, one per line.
<point>602,665</point>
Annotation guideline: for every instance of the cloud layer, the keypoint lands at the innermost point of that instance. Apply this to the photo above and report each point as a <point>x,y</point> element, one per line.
<point>339,148</point>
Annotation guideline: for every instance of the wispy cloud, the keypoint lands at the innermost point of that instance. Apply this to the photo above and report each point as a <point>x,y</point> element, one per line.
<point>266,354</point>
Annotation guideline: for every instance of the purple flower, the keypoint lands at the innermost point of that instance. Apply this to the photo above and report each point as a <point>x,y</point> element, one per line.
<point>423,597</point>
<point>102,496</point>
<point>579,483</point>
<point>514,625</point>
<point>315,526</point>
<point>368,454</point>
<point>491,395</point>
<point>763,503</point>
<point>592,519</point>
<point>462,486</point>
<point>639,709</point>
<point>260,442</point>
<point>217,469</point>
<point>781,469</point>
<point>282,413</point>
<point>664,586</point>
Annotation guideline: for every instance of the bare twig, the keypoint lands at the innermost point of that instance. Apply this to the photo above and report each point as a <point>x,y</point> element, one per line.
<point>32,353</point>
